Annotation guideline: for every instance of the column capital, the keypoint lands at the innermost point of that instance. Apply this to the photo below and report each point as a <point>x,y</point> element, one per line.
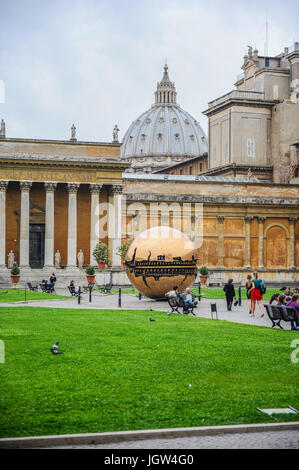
<point>95,188</point>
<point>261,220</point>
<point>248,219</point>
<point>292,220</point>
<point>73,187</point>
<point>220,219</point>
<point>3,185</point>
<point>116,189</point>
<point>50,187</point>
<point>25,185</point>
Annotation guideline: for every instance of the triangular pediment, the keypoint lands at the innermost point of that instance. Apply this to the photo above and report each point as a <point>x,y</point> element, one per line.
<point>37,213</point>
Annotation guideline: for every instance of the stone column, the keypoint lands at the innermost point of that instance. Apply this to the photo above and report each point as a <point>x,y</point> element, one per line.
<point>95,190</point>
<point>291,261</point>
<point>3,186</point>
<point>72,226</point>
<point>261,221</point>
<point>114,223</point>
<point>24,223</point>
<point>248,221</point>
<point>220,220</point>
<point>49,235</point>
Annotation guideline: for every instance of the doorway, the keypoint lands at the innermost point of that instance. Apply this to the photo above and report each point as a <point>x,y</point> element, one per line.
<point>36,245</point>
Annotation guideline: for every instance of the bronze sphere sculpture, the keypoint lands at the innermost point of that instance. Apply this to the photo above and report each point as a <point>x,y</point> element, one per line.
<point>160,258</point>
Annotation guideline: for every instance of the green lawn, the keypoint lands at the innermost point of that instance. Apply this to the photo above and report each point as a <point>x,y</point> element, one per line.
<point>122,372</point>
<point>18,295</point>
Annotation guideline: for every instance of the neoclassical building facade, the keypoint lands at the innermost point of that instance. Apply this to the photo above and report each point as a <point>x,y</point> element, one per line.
<point>59,198</point>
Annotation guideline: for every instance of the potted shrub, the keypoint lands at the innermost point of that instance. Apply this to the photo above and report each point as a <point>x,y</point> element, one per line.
<point>90,274</point>
<point>122,252</point>
<point>101,254</point>
<point>203,275</point>
<point>15,275</point>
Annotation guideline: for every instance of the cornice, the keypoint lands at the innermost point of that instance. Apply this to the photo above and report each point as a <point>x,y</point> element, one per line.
<point>62,142</point>
<point>240,102</point>
<point>197,198</point>
<point>66,161</point>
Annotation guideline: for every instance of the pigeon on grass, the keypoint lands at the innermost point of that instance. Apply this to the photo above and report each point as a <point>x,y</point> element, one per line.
<point>54,349</point>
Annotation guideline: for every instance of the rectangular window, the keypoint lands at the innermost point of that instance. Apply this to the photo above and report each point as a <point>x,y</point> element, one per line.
<point>200,167</point>
<point>190,170</point>
<point>214,154</point>
<point>250,148</point>
<point>181,172</point>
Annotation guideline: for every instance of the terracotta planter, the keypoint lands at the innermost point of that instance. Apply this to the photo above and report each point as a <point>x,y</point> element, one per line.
<point>123,264</point>
<point>90,277</point>
<point>203,279</point>
<point>101,265</point>
<point>15,279</point>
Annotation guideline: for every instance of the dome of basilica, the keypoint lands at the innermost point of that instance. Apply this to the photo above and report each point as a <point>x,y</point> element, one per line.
<point>163,135</point>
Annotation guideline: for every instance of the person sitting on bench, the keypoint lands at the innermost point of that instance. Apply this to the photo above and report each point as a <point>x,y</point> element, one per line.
<point>73,288</point>
<point>172,293</point>
<point>189,298</point>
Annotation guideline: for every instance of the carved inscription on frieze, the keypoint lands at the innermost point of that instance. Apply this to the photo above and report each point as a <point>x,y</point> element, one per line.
<point>48,175</point>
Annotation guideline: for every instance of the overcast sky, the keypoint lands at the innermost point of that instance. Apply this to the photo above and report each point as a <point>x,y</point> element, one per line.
<point>96,63</point>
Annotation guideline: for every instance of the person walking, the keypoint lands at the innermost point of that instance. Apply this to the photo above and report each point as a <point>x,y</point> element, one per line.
<point>248,286</point>
<point>229,294</point>
<point>256,293</point>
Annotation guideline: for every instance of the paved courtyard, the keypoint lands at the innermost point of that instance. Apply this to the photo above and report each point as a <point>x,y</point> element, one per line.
<point>239,314</point>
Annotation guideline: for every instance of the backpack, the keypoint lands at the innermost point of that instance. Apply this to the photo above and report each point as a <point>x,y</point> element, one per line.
<point>262,287</point>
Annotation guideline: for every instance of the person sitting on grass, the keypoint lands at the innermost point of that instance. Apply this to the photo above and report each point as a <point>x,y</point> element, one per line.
<point>229,294</point>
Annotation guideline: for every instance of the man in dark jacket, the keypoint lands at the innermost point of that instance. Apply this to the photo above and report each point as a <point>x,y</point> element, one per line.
<point>229,294</point>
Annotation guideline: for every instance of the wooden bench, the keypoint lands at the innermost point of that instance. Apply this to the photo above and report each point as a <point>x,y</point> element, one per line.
<point>277,313</point>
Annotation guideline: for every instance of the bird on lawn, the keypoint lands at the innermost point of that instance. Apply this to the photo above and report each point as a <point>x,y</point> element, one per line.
<point>152,319</point>
<point>54,349</point>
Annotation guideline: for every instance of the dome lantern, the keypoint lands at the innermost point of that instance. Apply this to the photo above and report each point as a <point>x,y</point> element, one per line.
<point>166,93</point>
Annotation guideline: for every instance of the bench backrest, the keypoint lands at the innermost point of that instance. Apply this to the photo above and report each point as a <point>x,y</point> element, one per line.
<point>172,301</point>
<point>291,313</point>
<point>276,312</point>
